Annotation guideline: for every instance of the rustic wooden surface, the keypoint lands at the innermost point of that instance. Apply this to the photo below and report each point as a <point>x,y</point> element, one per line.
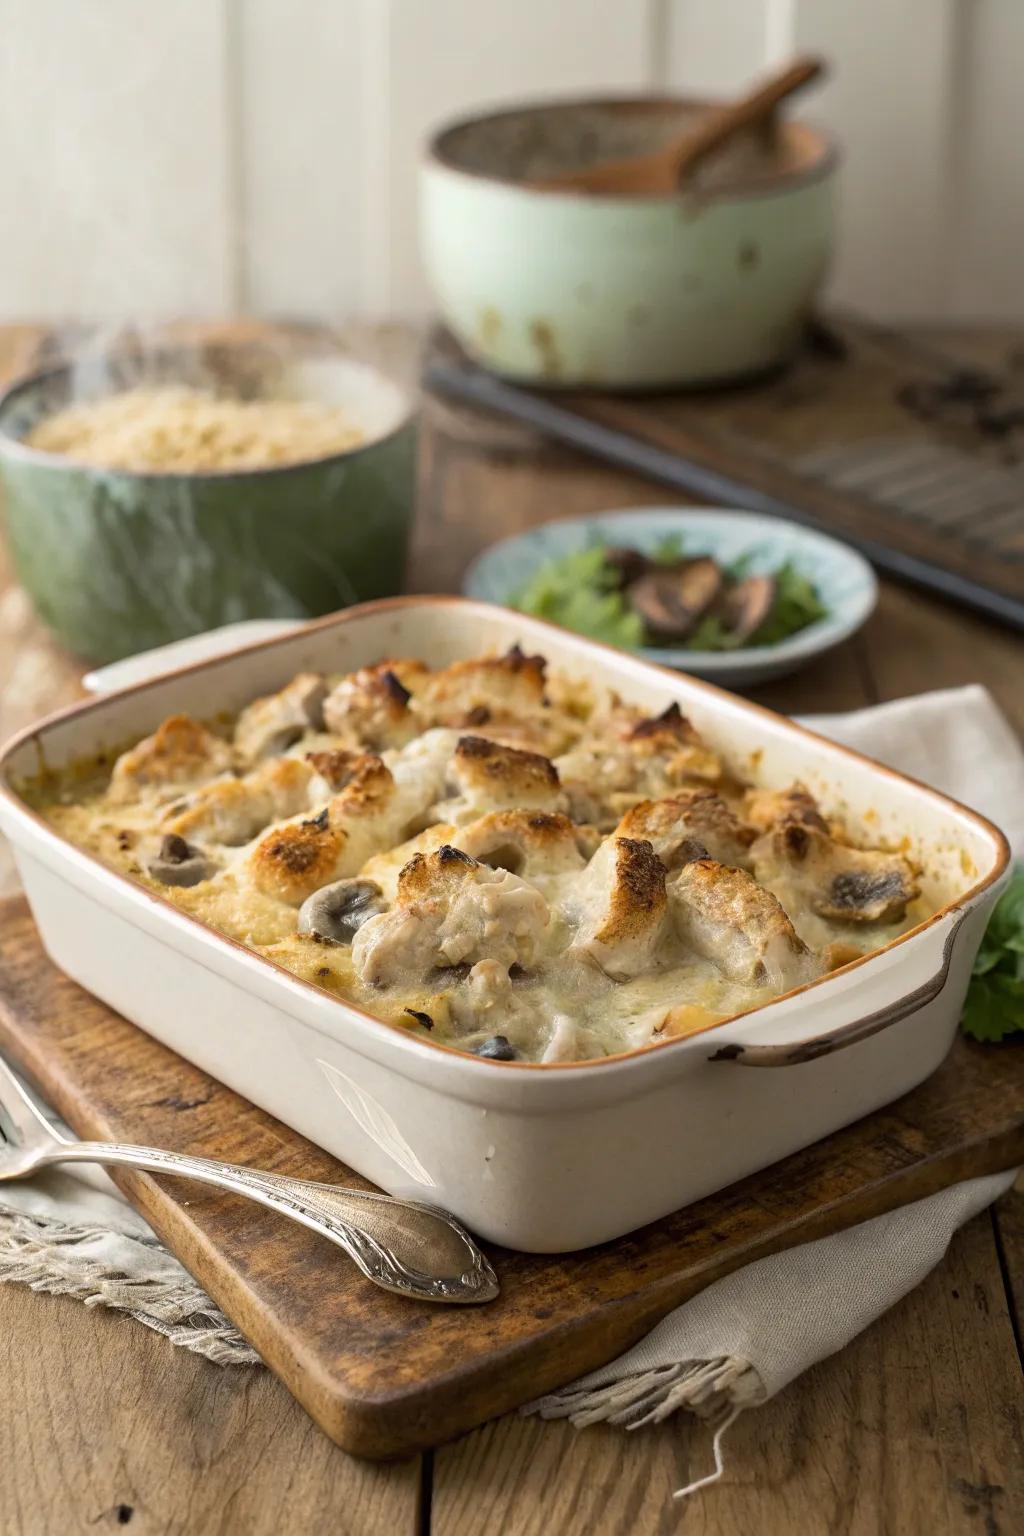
<point>915,1426</point>
<point>384,1377</point>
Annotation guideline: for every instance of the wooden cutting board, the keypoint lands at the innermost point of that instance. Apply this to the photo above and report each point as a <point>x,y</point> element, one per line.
<point>384,1376</point>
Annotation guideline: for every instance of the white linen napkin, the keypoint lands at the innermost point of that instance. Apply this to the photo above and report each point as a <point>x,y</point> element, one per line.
<point>738,1342</point>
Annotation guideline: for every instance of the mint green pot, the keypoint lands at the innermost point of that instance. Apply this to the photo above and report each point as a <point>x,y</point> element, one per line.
<point>118,562</point>
<point>569,289</point>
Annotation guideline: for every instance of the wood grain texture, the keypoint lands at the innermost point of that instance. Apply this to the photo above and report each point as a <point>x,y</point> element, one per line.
<point>915,1427</point>
<point>104,1427</point>
<point>384,1376</point>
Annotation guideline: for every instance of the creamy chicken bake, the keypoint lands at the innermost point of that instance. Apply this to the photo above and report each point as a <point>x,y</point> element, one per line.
<point>491,856</point>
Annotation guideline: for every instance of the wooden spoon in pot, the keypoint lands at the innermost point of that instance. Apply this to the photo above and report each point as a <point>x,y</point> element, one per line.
<point>667,168</point>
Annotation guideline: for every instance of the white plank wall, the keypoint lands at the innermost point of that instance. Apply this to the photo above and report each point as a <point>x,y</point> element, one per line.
<point>216,156</point>
<point>114,148</point>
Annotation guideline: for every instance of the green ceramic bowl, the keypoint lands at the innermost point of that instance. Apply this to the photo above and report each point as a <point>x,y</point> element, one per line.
<point>117,561</point>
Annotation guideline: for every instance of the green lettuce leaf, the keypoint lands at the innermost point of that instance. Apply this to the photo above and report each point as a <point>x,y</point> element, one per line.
<point>580,592</point>
<point>994,1007</point>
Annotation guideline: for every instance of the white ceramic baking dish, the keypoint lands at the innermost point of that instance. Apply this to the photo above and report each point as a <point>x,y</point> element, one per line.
<point>544,1158</point>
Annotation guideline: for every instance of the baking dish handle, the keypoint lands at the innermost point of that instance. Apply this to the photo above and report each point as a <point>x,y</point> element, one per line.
<point>790,1053</point>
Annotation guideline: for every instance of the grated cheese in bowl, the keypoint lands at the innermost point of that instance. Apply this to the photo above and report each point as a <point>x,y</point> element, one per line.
<point>184,430</point>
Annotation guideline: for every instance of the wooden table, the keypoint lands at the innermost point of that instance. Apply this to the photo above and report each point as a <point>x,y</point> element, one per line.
<point>916,1426</point>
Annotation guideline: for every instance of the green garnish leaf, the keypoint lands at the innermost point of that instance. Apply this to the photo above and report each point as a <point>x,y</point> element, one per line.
<point>580,592</point>
<point>711,635</point>
<point>796,605</point>
<point>994,1007</point>
<point>668,549</point>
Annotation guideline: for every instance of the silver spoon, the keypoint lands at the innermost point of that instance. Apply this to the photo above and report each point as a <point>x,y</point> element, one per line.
<point>415,1250</point>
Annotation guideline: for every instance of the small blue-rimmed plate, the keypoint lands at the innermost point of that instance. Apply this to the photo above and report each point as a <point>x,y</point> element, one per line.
<point>843,579</point>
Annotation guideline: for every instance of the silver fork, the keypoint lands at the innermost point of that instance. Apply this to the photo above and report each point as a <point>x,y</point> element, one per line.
<point>414,1249</point>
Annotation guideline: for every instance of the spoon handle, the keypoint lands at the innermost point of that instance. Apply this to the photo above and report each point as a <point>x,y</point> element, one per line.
<point>416,1250</point>
<point>718,125</point>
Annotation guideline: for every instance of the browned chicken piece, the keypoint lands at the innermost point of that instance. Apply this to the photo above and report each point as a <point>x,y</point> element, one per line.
<point>333,768</point>
<point>621,903</point>
<point>181,752</point>
<point>488,776</point>
<point>450,910</point>
<point>724,915</point>
<point>232,811</point>
<point>370,708</point>
<point>806,867</point>
<point>490,686</point>
<point>690,825</point>
<point>764,808</point>
<point>526,842</point>
<point>626,758</point>
<point>547,732</point>
<point>294,859</point>
<point>273,723</point>
<point>385,868</point>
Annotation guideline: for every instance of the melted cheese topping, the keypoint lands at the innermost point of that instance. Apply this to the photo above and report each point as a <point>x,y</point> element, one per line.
<point>491,857</point>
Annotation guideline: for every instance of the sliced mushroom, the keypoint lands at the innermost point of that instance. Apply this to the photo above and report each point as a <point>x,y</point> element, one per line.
<point>628,564</point>
<point>496,1049</point>
<point>180,863</point>
<point>745,606</point>
<point>671,602</point>
<point>337,911</point>
<point>866,896</point>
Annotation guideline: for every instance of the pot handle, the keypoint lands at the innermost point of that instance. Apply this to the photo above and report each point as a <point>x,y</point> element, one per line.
<point>790,1053</point>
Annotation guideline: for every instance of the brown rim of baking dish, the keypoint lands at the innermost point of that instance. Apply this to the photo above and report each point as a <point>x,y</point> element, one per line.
<point>541,626</point>
<point>16,448</point>
<point>821,163</point>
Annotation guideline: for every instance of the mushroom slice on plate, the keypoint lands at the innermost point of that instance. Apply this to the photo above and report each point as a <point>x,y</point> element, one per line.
<point>673,600</point>
<point>744,607</point>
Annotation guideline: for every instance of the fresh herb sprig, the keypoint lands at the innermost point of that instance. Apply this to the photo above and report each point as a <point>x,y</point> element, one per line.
<point>994,1007</point>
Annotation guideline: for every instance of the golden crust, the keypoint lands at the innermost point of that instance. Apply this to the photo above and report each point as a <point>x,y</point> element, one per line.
<point>293,861</point>
<point>728,917</point>
<point>502,685</point>
<point>522,920</point>
<point>764,808</point>
<point>273,722</point>
<point>369,791</point>
<point>433,874</point>
<point>624,908</point>
<point>180,752</point>
<point>688,825</point>
<point>231,811</point>
<point>371,707</point>
<point>490,774</point>
<point>526,842</point>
